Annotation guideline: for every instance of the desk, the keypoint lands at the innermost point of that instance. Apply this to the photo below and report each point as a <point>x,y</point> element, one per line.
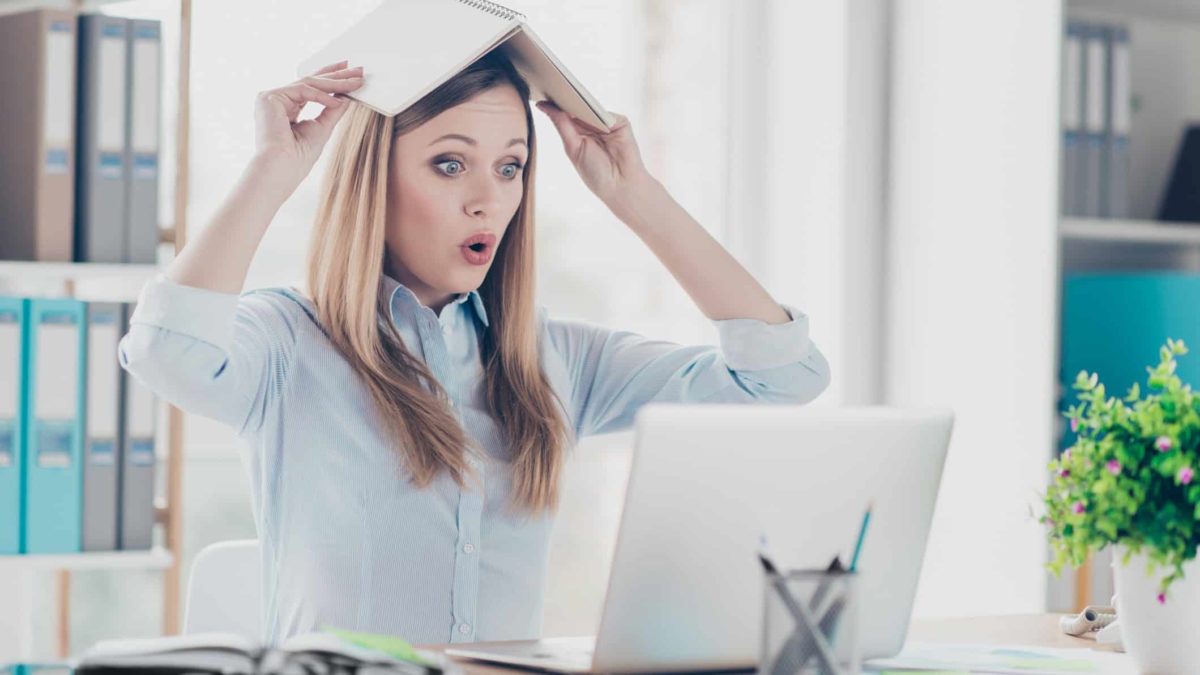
<point>1039,630</point>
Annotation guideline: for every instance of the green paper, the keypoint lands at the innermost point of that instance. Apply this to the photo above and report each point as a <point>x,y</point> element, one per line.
<point>395,647</point>
<point>924,672</point>
<point>1071,665</point>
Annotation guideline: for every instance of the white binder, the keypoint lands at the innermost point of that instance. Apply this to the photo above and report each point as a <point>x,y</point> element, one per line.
<point>1072,121</point>
<point>142,156</point>
<point>102,427</point>
<point>138,461</point>
<point>1120,118</point>
<point>1095,95</point>
<point>103,170</point>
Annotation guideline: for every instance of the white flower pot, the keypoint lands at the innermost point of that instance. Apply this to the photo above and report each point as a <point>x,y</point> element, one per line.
<point>1162,639</point>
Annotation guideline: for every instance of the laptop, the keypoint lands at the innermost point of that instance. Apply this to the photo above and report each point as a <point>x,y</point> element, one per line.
<point>708,482</point>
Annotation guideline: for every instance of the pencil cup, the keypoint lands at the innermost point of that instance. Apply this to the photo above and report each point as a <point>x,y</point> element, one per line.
<point>810,624</point>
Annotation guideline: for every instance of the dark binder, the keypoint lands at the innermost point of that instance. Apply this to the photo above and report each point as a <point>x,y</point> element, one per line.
<point>1181,202</point>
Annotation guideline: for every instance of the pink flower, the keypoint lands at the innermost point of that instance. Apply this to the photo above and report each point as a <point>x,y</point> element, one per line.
<point>1078,507</point>
<point>1185,475</point>
<point>1163,443</point>
<point>1114,467</point>
<point>1063,473</point>
<point>1074,424</point>
<point>1162,598</point>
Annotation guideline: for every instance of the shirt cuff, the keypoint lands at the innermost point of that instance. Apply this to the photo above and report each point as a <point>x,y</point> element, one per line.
<point>197,312</point>
<point>753,344</point>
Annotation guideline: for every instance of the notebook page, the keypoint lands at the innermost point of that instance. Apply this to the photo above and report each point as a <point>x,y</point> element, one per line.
<point>548,78</point>
<point>408,48</point>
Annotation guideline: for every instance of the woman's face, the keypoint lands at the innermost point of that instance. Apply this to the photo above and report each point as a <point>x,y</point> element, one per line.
<point>455,180</point>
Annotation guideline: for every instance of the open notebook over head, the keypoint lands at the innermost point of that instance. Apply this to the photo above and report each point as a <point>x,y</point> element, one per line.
<point>407,48</point>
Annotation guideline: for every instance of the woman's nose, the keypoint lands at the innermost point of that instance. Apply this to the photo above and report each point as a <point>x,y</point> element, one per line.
<point>484,197</point>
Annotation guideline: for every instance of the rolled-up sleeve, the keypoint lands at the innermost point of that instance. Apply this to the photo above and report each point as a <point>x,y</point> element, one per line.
<point>613,373</point>
<point>219,355</point>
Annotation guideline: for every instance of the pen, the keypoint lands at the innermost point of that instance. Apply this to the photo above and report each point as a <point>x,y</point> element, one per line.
<point>862,533</point>
<point>828,622</point>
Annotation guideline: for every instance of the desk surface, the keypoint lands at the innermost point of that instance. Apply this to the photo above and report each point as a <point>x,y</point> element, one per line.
<point>1025,629</point>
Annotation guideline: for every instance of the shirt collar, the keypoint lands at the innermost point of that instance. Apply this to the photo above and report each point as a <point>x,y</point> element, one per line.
<point>392,288</point>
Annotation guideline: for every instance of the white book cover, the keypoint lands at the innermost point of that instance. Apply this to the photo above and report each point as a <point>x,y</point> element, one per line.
<point>407,48</point>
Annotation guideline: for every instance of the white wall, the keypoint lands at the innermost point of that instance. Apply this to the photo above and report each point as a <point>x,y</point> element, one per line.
<point>971,298</point>
<point>804,170</point>
<point>823,178</point>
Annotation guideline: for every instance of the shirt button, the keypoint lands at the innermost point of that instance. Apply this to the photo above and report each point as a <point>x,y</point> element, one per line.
<point>464,628</point>
<point>468,548</point>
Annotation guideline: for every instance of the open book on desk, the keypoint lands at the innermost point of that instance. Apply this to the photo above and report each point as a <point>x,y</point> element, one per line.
<point>229,654</point>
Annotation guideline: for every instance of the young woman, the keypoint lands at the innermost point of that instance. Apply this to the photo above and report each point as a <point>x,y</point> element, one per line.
<point>407,421</point>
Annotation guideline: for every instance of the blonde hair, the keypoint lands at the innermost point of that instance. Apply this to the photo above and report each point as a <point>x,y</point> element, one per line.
<point>346,263</point>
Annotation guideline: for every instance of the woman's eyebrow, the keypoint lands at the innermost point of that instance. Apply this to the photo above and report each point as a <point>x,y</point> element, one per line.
<point>471,141</point>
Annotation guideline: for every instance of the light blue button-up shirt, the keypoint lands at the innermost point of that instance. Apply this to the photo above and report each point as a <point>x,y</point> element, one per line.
<point>346,539</point>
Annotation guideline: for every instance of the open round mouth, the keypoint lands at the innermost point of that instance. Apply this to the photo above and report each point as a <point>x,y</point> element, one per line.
<point>478,247</point>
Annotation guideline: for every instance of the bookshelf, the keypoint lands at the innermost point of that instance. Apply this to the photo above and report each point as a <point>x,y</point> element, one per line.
<point>1130,232</point>
<point>154,559</point>
<point>976,254</point>
<point>1161,10</point>
<point>88,281</point>
<point>74,272</point>
<point>1164,60</point>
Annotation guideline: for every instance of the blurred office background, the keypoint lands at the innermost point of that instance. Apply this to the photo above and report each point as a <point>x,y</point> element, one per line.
<point>892,168</point>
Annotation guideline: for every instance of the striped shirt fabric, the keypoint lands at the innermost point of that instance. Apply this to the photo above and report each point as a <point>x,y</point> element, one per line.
<point>346,540</point>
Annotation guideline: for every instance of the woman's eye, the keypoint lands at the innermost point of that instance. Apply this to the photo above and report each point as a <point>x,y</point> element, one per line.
<point>511,170</point>
<point>457,167</point>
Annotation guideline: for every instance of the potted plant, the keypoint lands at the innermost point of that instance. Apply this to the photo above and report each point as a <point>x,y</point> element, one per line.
<point>1129,480</point>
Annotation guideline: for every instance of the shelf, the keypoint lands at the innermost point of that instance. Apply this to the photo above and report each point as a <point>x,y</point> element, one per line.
<point>12,6</point>
<point>1163,10</point>
<point>1130,231</point>
<point>55,271</point>
<point>154,559</point>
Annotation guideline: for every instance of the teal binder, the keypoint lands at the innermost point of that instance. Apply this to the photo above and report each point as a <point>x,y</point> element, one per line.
<point>1115,324</point>
<point>57,362</point>
<point>47,668</point>
<point>12,382</point>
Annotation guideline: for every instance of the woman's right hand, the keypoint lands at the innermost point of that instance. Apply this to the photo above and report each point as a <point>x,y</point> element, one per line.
<point>282,141</point>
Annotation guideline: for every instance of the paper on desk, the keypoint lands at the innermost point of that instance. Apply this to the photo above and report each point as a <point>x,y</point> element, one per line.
<point>1004,659</point>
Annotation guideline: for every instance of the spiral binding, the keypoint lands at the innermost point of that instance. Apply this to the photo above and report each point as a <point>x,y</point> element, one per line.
<point>494,9</point>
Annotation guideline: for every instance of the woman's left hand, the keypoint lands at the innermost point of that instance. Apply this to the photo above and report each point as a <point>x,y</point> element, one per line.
<point>609,163</point>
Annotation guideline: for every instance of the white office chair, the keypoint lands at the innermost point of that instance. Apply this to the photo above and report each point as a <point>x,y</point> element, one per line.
<point>224,592</point>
